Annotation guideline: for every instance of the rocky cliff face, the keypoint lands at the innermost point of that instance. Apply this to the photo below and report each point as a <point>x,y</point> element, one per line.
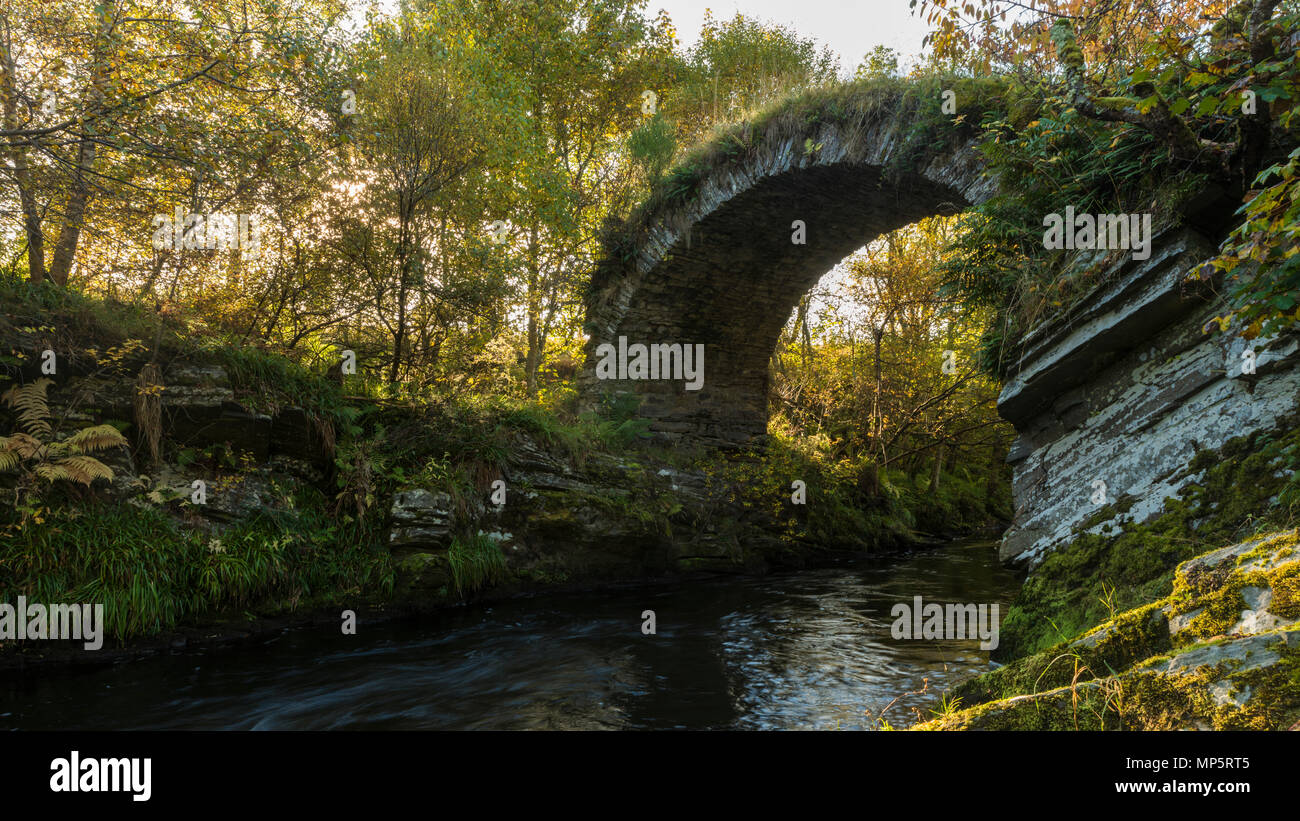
<point>1113,399</point>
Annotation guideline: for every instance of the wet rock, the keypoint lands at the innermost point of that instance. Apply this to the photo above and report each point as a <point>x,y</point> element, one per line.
<point>199,409</point>
<point>240,496</point>
<point>421,519</point>
<point>296,435</point>
<point>1124,389</point>
<point>421,572</point>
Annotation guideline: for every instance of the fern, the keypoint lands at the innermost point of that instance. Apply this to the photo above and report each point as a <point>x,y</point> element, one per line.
<point>83,469</point>
<point>65,461</point>
<point>32,406</point>
<point>52,472</point>
<point>100,437</point>
<point>24,446</point>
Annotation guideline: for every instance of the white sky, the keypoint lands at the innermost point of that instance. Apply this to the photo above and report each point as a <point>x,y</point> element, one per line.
<point>850,27</point>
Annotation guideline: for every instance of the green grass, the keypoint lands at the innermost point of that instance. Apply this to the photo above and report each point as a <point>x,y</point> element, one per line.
<point>268,381</point>
<point>152,575</point>
<point>476,562</point>
<point>82,317</point>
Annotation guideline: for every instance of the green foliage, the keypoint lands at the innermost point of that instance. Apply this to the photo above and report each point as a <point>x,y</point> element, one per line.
<point>740,66</point>
<point>1262,256</point>
<point>476,562</point>
<point>880,63</point>
<point>270,381</point>
<point>652,146</point>
<point>841,509</point>
<point>1079,584</point>
<point>1200,84</point>
<point>151,575</point>
<point>998,259</point>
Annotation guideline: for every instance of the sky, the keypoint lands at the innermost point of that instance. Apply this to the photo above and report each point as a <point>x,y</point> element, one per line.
<point>850,27</point>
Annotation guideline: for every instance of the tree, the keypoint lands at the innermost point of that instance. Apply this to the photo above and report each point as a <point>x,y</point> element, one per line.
<point>108,105</point>
<point>913,389</point>
<point>581,67</point>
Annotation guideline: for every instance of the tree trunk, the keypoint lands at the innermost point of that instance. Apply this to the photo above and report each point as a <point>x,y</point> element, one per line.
<point>533,360</point>
<point>79,197</point>
<point>405,254</point>
<point>18,159</point>
<point>935,471</point>
<point>877,435</point>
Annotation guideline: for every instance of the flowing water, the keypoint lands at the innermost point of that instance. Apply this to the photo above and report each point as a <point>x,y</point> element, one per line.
<point>802,650</point>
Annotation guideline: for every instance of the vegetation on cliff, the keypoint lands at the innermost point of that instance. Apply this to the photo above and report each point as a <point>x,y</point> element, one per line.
<point>1250,485</point>
<point>1177,110</point>
<point>1089,642</point>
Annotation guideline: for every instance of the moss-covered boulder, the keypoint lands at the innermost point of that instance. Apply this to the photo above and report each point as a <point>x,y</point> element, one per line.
<point>1242,683</point>
<point>1222,651</point>
<point>1249,484</point>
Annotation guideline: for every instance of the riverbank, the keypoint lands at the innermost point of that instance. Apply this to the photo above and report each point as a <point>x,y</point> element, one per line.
<point>235,629</point>
<point>1189,619</point>
<point>234,491</point>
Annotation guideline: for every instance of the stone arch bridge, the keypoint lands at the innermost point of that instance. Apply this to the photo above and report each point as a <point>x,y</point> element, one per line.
<point>720,268</point>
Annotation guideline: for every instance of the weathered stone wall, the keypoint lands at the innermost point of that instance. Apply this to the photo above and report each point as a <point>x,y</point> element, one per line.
<point>1125,388</point>
<point>723,271</point>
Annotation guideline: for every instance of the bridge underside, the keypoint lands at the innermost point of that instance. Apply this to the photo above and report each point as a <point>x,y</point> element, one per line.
<point>724,270</point>
<point>732,282</point>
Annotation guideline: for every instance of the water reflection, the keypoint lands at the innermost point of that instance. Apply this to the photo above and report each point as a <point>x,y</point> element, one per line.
<point>796,651</point>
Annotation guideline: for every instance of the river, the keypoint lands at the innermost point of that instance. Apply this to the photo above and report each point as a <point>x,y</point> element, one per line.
<point>800,650</point>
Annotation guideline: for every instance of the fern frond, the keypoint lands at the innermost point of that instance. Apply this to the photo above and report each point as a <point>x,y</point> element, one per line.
<point>25,446</point>
<point>9,461</point>
<point>100,437</point>
<point>52,472</point>
<point>32,406</point>
<point>83,469</point>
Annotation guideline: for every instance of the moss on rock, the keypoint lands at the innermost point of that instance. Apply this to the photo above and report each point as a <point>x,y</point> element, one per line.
<point>1250,683</point>
<point>1219,652</point>
<point>1084,582</point>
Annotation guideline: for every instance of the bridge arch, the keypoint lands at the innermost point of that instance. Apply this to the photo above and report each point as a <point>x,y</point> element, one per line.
<point>720,265</point>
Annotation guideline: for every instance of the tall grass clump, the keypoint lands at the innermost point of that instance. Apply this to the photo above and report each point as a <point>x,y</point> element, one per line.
<point>151,575</point>
<point>476,562</point>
